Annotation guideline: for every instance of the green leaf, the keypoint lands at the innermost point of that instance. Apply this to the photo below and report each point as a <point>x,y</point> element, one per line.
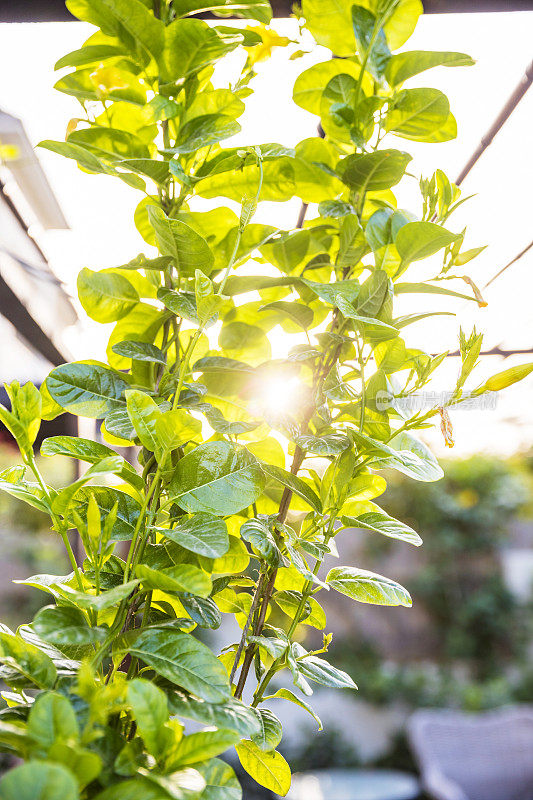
<point>65,625</point>
<point>207,302</point>
<point>87,450</point>
<point>180,658</point>
<point>89,54</point>
<point>301,316</point>
<point>504,379</point>
<point>260,537</point>
<point>321,671</point>
<point>188,249</point>
<point>97,602</point>
<point>418,240</point>
<point>108,466</point>
<point>201,746</point>
<point>415,113</point>
<point>286,694</point>
<point>202,533</point>
<point>371,40</point>
<point>269,769</point>
<point>30,493</point>
<point>368,587</point>
<point>414,458</point>
<point>204,131</point>
<point>130,21</point>
<point>270,732</point>
<point>202,610</point>
<point>330,291</point>
<point>144,413</point>
<point>327,445</point>
<point>372,294</point>
<point>310,84</point>
<point>180,578</point>
<point>51,719</point>
<point>150,712</point>
<point>349,312</point>
<point>87,390</point>
<point>27,659</point>
<point>295,484</point>
<point>220,781</point>
<point>289,603</point>
<point>175,428</point>
<point>190,45</point>
<point>352,243</point>
<point>106,497</point>
<point>37,780</point>
<point>403,66</point>
<point>231,714</point>
<point>140,351</point>
<point>374,171</point>
<point>379,522</point>
<point>217,478</point>
<point>428,288</point>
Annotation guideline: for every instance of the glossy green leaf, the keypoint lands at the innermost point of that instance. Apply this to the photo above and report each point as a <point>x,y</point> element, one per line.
<point>327,445</point>
<point>87,390</point>
<point>65,625</point>
<point>270,732</point>
<point>321,671</point>
<point>379,522</point>
<point>200,746</point>
<point>187,248</point>
<point>179,658</point>
<point>97,602</point>
<point>217,478</point>
<point>140,351</point>
<point>27,659</point>
<point>371,40</point>
<point>269,769</point>
<point>295,484</point>
<point>106,497</point>
<point>368,587</point>
<point>181,578</point>
<point>87,450</point>
<point>232,713</point>
<point>204,131</point>
<point>202,533</point>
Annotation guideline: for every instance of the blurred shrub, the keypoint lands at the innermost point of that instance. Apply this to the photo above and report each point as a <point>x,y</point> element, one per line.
<point>27,545</point>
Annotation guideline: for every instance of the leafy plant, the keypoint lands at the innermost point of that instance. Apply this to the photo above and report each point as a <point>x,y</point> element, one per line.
<point>217,521</point>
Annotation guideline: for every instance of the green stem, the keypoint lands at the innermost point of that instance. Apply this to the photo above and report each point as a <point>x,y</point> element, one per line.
<point>58,523</point>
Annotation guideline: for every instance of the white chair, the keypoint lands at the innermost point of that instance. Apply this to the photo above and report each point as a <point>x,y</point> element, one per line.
<point>465,756</point>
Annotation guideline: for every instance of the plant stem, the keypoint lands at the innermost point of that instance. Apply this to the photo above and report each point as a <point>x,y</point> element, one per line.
<point>58,523</point>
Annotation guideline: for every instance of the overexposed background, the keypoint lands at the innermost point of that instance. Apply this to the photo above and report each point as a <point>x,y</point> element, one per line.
<point>100,209</point>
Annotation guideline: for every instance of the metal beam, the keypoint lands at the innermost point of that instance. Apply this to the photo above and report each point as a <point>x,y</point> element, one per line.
<point>55,11</point>
<point>19,316</point>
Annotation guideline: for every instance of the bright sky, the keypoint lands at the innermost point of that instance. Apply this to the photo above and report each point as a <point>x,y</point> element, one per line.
<point>99,209</point>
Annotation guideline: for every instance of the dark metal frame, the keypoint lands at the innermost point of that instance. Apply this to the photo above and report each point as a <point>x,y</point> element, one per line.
<point>55,11</point>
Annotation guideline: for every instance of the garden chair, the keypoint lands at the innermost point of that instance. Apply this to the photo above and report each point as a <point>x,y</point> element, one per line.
<point>465,756</point>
